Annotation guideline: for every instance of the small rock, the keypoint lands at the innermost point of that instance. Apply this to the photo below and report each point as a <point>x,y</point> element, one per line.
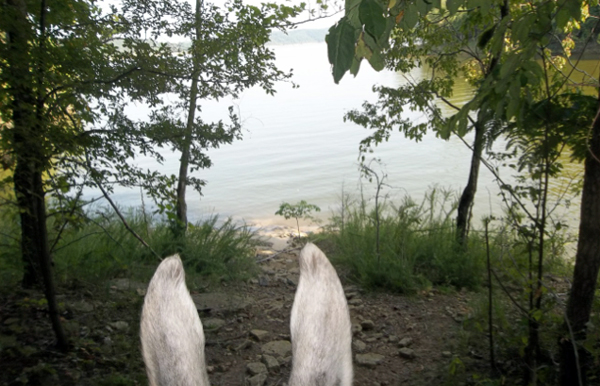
<point>107,341</point>
<point>267,271</point>
<point>277,348</point>
<point>7,341</point>
<point>120,284</point>
<point>356,328</point>
<point>263,281</point>
<point>10,321</point>
<point>367,325</point>
<point>255,368</point>
<point>407,353</point>
<point>355,301</point>
<point>218,302</point>
<point>446,354</point>
<point>246,344</point>
<point>405,342</point>
<point>71,327</point>
<point>359,345</point>
<point>271,363</point>
<point>257,380</point>
<point>212,324</point>
<point>393,338</point>
<point>82,307</point>
<point>120,325</point>
<point>292,281</point>
<point>259,335</point>
<point>369,360</point>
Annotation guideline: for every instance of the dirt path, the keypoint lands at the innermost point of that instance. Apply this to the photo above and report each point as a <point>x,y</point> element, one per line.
<point>397,340</point>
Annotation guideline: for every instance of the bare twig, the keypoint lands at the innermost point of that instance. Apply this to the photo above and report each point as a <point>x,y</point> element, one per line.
<point>118,212</point>
<point>276,254</point>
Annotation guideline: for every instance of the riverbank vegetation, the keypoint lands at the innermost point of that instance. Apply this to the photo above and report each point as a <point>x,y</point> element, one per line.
<point>69,71</point>
<point>418,255</point>
<point>100,248</point>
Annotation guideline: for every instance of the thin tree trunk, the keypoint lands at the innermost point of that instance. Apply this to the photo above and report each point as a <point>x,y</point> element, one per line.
<point>468,196</point>
<point>585,275</point>
<point>181,206</point>
<point>27,137</point>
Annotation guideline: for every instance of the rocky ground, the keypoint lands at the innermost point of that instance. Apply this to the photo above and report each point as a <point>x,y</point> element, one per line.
<point>397,340</point>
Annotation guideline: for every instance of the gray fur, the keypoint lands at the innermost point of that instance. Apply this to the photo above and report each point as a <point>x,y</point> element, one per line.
<point>173,338</point>
<point>171,331</point>
<point>320,325</point>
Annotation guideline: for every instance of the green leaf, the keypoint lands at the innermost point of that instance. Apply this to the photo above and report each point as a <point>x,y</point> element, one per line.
<point>453,6</point>
<point>377,61</point>
<point>574,8</point>
<point>340,47</point>
<point>562,17</point>
<point>484,7</point>
<point>411,17</point>
<point>376,57</point>
<point>355,66</point>
<point>371,14</point>
<point>362,49</point>
<point>514,100</point>
<point>422,7</point>
<point>352,12</point>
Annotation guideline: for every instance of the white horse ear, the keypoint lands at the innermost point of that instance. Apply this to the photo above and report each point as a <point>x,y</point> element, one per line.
<point>320,325</point>
<point>173,338</point>
<point>171,331</point>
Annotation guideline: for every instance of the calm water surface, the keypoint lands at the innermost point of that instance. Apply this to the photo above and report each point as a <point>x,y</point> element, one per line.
<point>296,146</point>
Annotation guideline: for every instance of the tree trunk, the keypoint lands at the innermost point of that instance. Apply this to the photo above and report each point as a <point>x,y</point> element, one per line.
<point>585,275</point>
<point>26,135</point>
<point>181,205</point>
<point>468,196</point>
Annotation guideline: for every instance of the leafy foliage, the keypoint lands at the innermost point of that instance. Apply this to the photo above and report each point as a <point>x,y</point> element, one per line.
<point>297,211</point>
<point>418,245</point>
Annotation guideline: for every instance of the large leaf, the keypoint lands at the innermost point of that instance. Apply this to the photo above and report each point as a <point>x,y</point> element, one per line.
<point>340,47</point>
<point>453,5</point>
<point>352,12</point>
<point>371,13</point>
<point>362,49</point>
<point>376,57</point>
<point>411,16</point>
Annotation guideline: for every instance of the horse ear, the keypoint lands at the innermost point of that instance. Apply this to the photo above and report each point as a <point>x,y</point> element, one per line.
<point>173,338</point>
<point>171,331</point>
<point>320,325</point>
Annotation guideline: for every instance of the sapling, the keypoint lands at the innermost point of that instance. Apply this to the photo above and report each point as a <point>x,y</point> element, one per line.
<point>297,211</point>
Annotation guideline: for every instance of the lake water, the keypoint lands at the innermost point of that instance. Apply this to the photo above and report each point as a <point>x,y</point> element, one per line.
<point>296,146</point>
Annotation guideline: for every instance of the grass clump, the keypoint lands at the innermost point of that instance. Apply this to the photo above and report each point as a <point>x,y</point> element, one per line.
<point>416,243</point>
<point>98,248</point>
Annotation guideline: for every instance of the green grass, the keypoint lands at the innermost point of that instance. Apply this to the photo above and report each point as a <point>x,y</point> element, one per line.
<point>101,248</point>
<point>417,242</point>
